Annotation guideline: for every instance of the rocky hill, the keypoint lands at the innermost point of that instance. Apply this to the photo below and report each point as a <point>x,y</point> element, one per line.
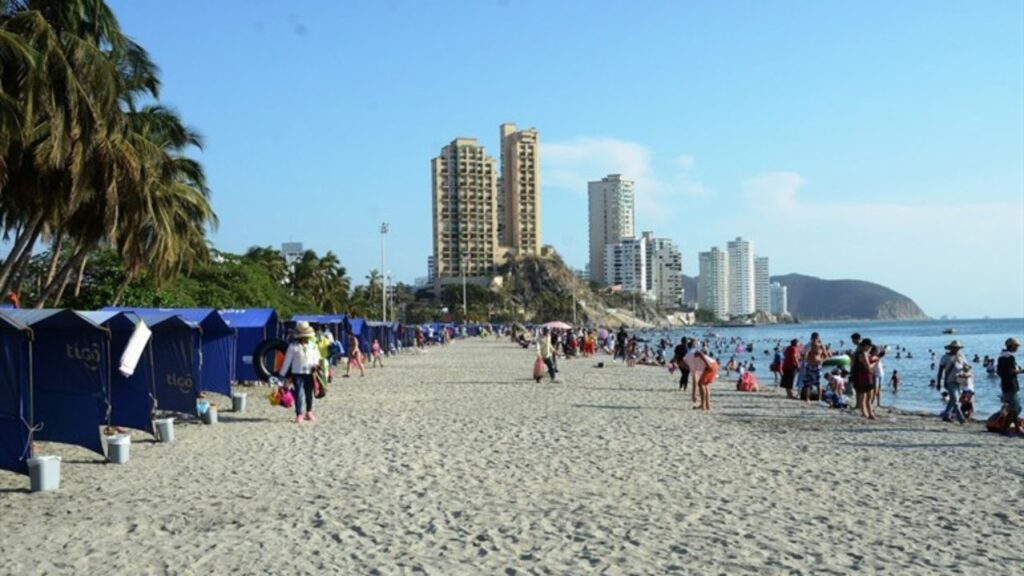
<point>813,298</point>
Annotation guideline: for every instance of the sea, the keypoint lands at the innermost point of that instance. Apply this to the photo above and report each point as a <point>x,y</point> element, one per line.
<point>921,338</point>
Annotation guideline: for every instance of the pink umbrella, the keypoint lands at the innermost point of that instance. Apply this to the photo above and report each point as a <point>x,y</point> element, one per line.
<point>557,325</point>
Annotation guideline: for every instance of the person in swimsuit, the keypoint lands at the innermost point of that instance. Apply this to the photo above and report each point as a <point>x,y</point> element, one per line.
<point>816,354</point>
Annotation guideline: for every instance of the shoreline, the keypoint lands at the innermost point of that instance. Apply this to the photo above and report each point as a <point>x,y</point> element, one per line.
<point>454,461</point>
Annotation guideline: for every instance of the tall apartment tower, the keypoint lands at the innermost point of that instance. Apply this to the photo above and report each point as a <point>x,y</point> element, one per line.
<point>626,265</point>
<point>741,277</point>
<point>664,271</point>
<point>519,204</point>
<point>611,205</point>
<point>779,299</point>
<point>762,299</point>
<point>465,209</point>
<point>713,288</point>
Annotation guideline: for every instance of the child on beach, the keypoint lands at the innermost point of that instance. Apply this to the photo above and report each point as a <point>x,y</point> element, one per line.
<point>378,357</point>
<point>895,381</point>
<point>966,381</point>
<point>354,356</point>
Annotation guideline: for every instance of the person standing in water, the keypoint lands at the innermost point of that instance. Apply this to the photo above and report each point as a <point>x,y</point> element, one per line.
<point>952,364</point>
<point>1008,371</point>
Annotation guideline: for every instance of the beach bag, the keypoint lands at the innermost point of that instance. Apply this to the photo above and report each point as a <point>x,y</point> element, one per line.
<point>538,368</point>
<point>287,399</point>
<point>319,390</point>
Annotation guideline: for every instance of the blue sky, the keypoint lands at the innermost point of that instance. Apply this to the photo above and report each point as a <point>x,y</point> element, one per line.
<point>881,141</point>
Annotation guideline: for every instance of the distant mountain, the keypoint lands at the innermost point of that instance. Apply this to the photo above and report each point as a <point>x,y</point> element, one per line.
<point>811,298</point>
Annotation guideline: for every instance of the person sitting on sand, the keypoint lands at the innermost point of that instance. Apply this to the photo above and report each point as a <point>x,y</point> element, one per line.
<point>747,383</point>
<point>355,356</point>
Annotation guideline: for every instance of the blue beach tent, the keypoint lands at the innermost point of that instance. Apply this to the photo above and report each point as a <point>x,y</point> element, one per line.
<point>176,348</point>
<point>361,330</point>
<point>216,363</point>
<point>15,361</point>
<point>131,398</point>
<point>68,376</point>
<point>253,325</point>
<point>334,322</point>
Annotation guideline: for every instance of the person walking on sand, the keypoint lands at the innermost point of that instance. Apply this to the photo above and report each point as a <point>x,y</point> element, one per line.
<point>951,365</point>
<point>679,358</point>
<point>546,351</point>
<point>300,362</point>
<point>790,366</point>
<point>355,356</point>
<point>378,356</point>
<point>1008,371</point>
<point>862,372</point>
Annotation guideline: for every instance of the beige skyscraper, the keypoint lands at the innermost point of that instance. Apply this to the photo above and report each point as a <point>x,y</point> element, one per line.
<point>520,189</point>
<point>465,210</point>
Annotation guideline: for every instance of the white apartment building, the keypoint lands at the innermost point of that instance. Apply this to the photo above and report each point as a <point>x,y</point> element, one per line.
<point>625,264</point>
<point>292,252</point>
<point>762,301</point>
<point>779,299</point>
<point>664,271</point>
<point>741,277</point>
<point>610,218</point>
<point>713,288</point>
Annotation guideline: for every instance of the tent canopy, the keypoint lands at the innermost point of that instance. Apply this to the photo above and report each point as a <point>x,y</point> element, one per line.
<point>254,325</point>
<point>14,381</point>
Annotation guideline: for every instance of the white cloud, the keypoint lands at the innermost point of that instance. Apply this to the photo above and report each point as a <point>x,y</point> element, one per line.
<point>964,258</point>
<point>569,165</point>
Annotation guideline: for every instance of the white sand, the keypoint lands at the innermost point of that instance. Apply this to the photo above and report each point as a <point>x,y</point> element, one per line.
<point>454,462</point>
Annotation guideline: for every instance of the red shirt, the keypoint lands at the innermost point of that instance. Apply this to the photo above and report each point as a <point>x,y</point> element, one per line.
<point>791,358</point>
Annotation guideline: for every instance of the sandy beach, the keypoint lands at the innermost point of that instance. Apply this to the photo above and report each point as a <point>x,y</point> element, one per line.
<point>455,462</point>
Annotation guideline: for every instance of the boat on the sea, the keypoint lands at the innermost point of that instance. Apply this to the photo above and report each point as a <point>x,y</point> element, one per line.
<point>949,331</point>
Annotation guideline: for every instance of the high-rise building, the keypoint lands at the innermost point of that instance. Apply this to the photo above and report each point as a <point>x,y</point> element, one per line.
<point>431,268</point>
<point>741,277</point>
<point>713,288</point>
<point>519,204</point>
<point>292,252</point>
<point>465,199</point>
<point>761,280</point>
<point>611,205</point>
<point>779,299</point>
<point>625,264</point>
<point>664,271</point>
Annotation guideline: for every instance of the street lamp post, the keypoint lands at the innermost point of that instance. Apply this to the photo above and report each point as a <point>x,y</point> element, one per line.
<point>384,278</point>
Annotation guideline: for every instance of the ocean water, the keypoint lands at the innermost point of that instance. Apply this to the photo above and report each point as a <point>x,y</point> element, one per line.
<point>920,338</point>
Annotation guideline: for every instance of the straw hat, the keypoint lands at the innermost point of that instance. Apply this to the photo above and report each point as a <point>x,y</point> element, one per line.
<point>304,330</point>
<point>954,344</point>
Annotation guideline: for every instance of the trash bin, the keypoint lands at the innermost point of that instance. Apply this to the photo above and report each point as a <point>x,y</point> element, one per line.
<point>210,415</point>
<point>238,402</point>
<point>118,448</point>
<point>44,473</point>
<point>164,429</point>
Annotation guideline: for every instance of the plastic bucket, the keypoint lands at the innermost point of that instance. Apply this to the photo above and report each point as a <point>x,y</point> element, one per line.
<point>164,429</point>
<point>210,416</point>
<point>118,448</point>
<point>44,473</point>
<point>202,407</point>
<point>238,402</point>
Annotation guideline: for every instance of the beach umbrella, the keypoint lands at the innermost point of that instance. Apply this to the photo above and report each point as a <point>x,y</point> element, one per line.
<point>557,325</point>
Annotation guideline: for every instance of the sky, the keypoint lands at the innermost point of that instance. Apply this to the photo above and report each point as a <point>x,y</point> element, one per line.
<point>880,141</point>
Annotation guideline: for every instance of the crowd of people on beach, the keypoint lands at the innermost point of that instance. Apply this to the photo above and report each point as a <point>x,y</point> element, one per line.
<point>811,371</point>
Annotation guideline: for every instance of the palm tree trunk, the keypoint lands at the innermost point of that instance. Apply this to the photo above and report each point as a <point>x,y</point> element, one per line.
<point>58,246</point>
<point>20,271</point>
<point>81,274</point>
<point>123,288</point>
<point>25,241</point>
<point>64,274</point>
<point>63,286</point>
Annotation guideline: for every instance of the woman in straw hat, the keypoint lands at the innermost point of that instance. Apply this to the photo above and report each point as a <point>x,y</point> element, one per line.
<point>952,364</point>
<point>300,362</point>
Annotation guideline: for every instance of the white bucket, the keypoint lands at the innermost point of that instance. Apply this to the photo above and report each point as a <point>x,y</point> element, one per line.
<point>44,473</point>
<point>118,448</point>
<point>210,416</point>
<point>238,402</point>
<point>164,429</point>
